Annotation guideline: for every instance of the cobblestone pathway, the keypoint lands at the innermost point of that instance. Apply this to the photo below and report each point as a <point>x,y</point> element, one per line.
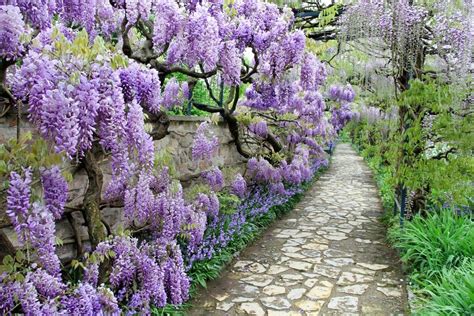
<point>327,257</point>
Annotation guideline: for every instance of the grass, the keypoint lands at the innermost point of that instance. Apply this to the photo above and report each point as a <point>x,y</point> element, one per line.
<point>438,251</point>
<point>452,294</point>
<point>441,240</point>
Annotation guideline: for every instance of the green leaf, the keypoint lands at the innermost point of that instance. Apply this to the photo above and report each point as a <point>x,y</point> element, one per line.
<point>19,277</point>
<point>4,268</point>
<point>20,256</point>
<point>3,167</point>
<point>59,241</point>
<point>202,282</point>
<point>8,260</point>
<point>25,137</point>
<point>110,254</point>
<point>74,263</point>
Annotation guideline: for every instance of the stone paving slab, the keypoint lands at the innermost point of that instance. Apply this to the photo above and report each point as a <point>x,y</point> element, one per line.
<point>327,257</point>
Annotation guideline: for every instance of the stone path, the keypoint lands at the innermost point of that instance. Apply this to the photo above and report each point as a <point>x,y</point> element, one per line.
<point>327,257</point>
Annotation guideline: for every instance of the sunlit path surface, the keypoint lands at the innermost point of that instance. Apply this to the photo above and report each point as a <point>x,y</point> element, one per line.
<point>327,257</point>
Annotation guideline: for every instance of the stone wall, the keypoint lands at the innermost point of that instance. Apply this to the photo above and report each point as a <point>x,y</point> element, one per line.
<point>178,144</point>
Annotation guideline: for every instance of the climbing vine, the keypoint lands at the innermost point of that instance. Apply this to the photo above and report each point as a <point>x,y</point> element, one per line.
<point>95,82</point>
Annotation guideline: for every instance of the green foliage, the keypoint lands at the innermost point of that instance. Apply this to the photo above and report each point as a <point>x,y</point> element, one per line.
<point>164,158</point>
<point>328,15</point>
<point>228,202</point>
<point>291,4</point>
<point>81,48</point>
<point>445,165</point>
<point>244,118</point>
<point>428,94</point>
<point>437,250</point>
<point>194,191</point>
<point>16,155</point>
<point>344,136</point>
<point>384,181</point>
<point>433,151</point>
<point>453,294</point>
<point>184,111</point>
<point>15,265</point>
<point>441,240</point>
<point>229,173</point>
<point>200,94</point>
<point>169,310</point>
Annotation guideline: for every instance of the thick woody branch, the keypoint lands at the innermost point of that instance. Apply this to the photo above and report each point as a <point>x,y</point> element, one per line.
<point>233,126</point>
<point>208,108</point>
<point>127,47</point>
<point>247,78</point>
<point>235,99</point>
<point>271,139</point>
<point>164,69</point>
<point>92,199</point>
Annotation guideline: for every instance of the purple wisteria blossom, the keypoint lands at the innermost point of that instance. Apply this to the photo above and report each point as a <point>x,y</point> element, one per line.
<point>214,178</point>
<point>171,94</point>
<point>176,280</point>
<point>313,73</point>
<point>41,236</point>
<point>239,186</point>
<point>205,143</point>
<point>260,129</point>
<point>142,84</point>
<point>89,300</point>
<point>18,202</point>
<point>168,23</point>
<point>11,28</point>
<point>55,191</point>
<point>340,116</point>
<point>341,93</point>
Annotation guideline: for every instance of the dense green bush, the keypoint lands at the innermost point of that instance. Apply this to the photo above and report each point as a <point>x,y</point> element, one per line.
<point>431,156</point>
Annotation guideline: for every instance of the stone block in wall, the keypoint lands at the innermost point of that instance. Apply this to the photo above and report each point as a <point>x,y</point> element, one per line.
<point>115,218</point>
<point>179,144</point>
<point>77,188</point>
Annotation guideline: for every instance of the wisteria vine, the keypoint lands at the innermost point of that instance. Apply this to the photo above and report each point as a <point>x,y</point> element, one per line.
<point>91,75</point>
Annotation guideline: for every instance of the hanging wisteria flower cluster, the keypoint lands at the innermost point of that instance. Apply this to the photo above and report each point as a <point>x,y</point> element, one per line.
<point>342,113</point>
<point>12,28</point>
<point>205,143</point>
<point>409,27</point>
<point>42,292</point>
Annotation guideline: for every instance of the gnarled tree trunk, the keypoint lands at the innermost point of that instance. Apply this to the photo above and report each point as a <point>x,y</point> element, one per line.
<point>92,198</point>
